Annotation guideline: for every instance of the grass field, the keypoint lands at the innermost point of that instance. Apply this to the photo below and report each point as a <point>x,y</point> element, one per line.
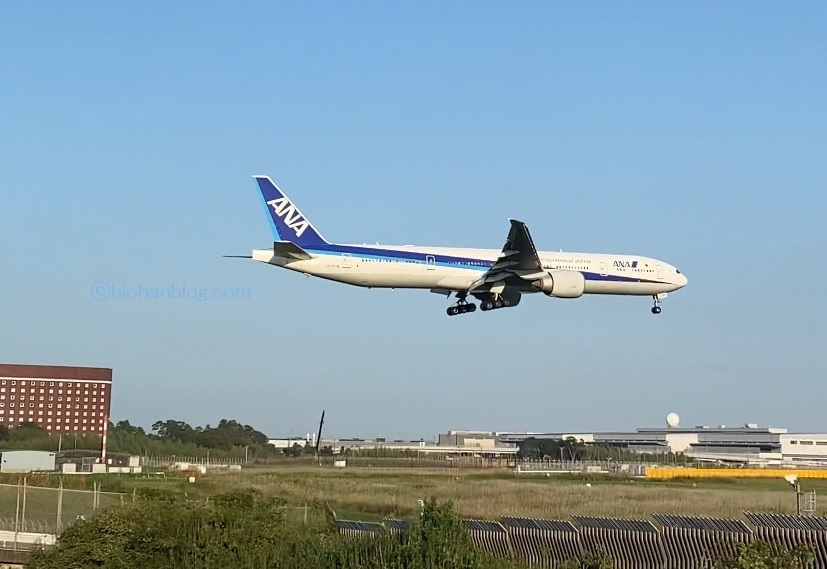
<point>372,493</point>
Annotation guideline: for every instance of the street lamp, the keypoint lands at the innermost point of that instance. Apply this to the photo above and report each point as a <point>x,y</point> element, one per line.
<point>793,480</point>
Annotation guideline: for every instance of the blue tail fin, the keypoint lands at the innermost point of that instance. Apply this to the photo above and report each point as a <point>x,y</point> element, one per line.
<point>286,221</point>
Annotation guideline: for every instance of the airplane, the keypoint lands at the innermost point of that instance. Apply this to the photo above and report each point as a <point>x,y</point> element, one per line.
<point>496,278</point>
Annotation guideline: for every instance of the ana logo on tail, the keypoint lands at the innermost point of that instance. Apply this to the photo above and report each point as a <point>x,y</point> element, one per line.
<point>292,218</point>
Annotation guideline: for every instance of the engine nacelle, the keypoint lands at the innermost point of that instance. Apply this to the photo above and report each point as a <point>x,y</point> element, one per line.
<point>562,284</point>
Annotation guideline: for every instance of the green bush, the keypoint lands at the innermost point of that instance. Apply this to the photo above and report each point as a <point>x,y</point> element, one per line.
<point>763,555</point>
<point>249,530</point>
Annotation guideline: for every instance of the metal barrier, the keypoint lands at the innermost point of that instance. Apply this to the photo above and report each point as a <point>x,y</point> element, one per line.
<point>353,528</point>
<point>542,543</point>
<point>791,531</point>
<point>632,544</point>
<point>673,542</point>
<point>490,536</point>
<point>691,542</point>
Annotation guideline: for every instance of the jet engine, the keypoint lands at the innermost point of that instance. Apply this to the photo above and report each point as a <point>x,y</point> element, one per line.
<point>562,284</point>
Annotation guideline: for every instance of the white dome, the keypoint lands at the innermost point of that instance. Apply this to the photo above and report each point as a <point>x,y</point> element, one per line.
<point>672,419</point>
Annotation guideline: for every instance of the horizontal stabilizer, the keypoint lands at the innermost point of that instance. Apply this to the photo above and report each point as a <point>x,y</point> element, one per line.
<point>290,250</point>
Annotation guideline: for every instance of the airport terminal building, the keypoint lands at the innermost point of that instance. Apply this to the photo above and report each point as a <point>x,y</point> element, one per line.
<point>748,444</point>
<point>61,399</point>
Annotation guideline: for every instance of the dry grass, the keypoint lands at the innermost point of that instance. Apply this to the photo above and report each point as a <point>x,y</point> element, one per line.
<point>394,492</point>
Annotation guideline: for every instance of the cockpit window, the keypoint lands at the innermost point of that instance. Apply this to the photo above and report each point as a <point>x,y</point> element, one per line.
<point>677,271</point>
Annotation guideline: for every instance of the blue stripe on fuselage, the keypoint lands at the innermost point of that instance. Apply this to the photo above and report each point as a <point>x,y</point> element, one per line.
<point>469,263</point>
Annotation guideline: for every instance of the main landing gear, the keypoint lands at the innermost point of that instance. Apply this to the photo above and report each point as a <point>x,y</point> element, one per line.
<point>463,306</point>
<point>494,303</point>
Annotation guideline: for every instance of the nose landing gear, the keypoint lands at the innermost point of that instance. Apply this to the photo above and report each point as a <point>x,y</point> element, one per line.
<point>657,298</point>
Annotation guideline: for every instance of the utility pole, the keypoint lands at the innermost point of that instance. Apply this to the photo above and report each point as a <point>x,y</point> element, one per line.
<point>25,491</point>
<point>319,438</point>
<point>17,515</point>
<point>59,506</point>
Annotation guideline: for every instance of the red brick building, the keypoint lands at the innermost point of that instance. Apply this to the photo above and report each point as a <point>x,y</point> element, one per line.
<point>61,399</point>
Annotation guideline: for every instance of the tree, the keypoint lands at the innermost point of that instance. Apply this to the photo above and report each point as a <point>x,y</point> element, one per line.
<point>27,431</point>
<point>127,429</point>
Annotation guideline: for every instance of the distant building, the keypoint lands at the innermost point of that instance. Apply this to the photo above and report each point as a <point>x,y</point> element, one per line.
<point>15,461</point>
<point>61,399</point>
<point>748,444</point>
<point>287,443</point>
<point>473,439</point>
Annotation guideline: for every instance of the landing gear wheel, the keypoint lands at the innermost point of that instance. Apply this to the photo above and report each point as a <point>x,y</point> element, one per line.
<point>498,303</point>
<point>657,298</point>
<point>461,307</point>
<point>488,305</point>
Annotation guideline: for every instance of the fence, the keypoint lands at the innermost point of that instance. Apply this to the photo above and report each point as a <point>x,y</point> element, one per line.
<point>208,461</point>
<point>666,542</point>
<point>46,510</point>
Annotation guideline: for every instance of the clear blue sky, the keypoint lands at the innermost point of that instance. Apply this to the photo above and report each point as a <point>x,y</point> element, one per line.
<point>695,133</point>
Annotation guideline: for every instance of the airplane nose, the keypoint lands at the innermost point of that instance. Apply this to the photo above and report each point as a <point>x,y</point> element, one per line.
<point>682,280</point>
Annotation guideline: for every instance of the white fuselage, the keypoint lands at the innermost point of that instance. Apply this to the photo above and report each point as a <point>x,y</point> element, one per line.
<point>454,269</point>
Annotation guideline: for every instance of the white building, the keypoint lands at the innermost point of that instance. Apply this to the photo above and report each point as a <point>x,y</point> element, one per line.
<point>748,444</point>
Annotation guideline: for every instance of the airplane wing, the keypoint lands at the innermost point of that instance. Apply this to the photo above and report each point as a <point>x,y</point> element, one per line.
<point>518,261</point>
